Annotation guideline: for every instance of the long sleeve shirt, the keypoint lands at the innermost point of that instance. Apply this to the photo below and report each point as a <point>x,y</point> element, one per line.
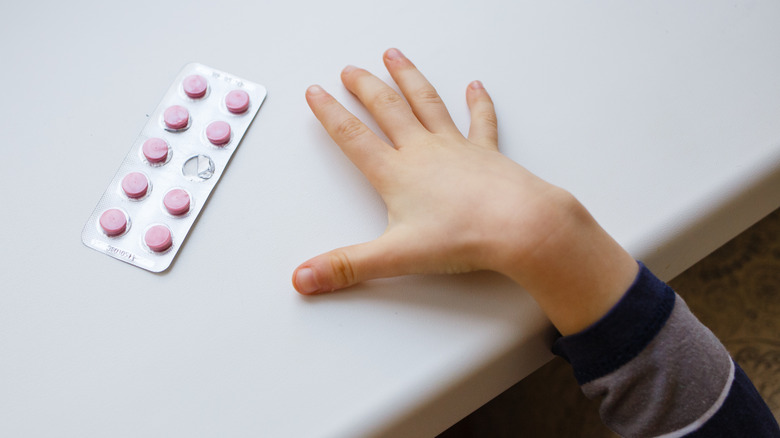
<point>657,371</point>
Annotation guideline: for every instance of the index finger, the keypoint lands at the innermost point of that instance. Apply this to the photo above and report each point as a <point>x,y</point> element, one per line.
<point>364,148</point>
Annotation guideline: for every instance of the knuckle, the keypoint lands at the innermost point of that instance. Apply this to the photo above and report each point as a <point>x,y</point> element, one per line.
<point>428,95</point>
<point>387,98</point>
<point>350,129</point>
<point>489,119</point>
<point>343,270</point>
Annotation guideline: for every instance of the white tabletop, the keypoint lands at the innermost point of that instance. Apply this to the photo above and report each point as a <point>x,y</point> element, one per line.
<point>662,117</point>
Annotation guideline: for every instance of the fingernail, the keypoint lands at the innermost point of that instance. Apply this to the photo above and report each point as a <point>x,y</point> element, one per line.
<point>306,281</point>
<point>348,69</point>
<point>394,54</point>
<point>476,85</point>
<point>315,89</point>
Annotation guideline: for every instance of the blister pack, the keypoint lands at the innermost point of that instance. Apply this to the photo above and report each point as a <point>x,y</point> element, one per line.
<point>163,183</point>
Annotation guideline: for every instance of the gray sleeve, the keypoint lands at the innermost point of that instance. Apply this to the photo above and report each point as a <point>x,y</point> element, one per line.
<point>672,387</point>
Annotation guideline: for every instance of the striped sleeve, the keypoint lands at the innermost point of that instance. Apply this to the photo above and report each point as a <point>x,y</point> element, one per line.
<point>657,371</point>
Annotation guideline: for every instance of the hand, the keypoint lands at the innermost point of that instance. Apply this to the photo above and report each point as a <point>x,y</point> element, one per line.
<point>455,204</point>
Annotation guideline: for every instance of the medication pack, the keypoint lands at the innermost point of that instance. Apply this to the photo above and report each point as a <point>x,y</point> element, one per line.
<point>164,181</point>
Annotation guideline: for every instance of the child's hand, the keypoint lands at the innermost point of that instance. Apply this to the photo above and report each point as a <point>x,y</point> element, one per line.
<point>455,204</point>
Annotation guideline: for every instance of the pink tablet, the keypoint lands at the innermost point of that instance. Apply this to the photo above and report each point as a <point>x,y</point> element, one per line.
<point>176,117</point>
<point>218,133</point>
<point>113,222</point>
<point>135,185</point>
<point>155,150</point>
<point>177,202</point>
<point>158,238</point>
<point>237,101</point>
<point>195,86</point>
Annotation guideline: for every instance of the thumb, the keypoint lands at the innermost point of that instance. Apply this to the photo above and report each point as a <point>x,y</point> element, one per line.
<point>346,266</point>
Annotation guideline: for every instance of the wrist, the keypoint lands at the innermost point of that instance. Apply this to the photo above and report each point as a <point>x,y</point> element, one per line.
<point>575,271</point>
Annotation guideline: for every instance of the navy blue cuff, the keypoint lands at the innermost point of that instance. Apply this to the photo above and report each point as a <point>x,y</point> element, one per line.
<point>622,333</point>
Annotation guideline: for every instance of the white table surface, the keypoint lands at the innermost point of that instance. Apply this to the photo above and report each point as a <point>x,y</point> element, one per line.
<point>663,117</point>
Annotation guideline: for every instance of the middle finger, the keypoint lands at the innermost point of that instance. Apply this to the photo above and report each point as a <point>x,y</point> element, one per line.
<point>423,98</point>
<point>389,109</point>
